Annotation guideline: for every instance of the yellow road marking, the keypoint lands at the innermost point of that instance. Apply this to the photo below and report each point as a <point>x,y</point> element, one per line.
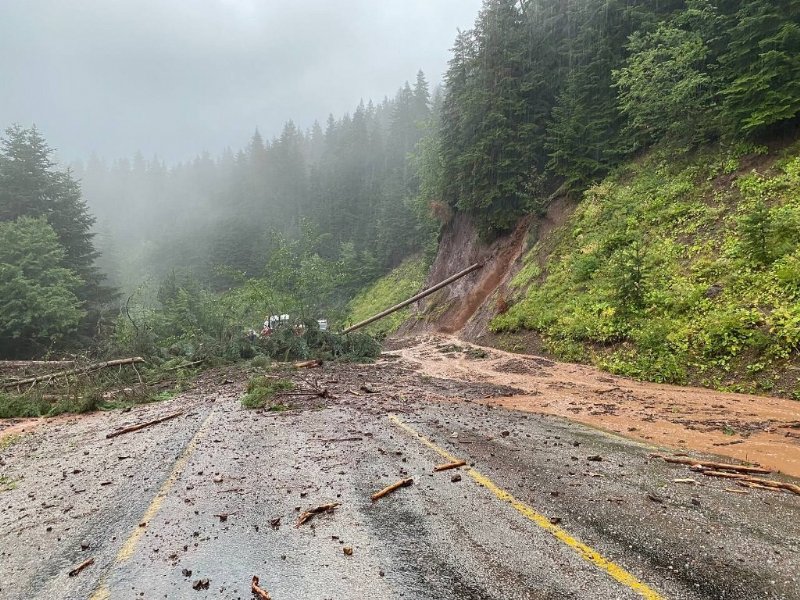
<point>614,570</point>
<point>129,547</point>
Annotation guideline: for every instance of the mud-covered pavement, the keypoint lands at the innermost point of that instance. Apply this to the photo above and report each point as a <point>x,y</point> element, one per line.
<point>545,508</point>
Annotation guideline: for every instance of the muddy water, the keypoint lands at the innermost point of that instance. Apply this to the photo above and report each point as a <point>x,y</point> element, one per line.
<point>757,429</point>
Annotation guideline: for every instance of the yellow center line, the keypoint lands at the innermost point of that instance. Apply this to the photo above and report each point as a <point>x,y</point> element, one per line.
<point>129,547</point>
<point>614,570</point>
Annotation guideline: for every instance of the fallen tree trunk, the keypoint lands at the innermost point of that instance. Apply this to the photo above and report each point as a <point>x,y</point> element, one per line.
<point>78,371</point>
<point>16,364</point>
<point>395,486</point>
<point>711,464</point>
<point>143,425</point>
<point>413,299</point>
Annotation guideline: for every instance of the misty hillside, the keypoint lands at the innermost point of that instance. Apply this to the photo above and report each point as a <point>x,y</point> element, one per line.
<point>635,124</point>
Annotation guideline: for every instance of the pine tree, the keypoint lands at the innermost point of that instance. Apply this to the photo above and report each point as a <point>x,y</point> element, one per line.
<point>31,186</point>
<point>761,66</point>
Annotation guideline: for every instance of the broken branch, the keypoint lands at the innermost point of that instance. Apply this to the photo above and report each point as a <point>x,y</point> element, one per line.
<point>259,592</point>
<point>450,465</point>
<point>81,567</point>
<point>711,464</point>
<point>307,364</point>
<point>312,512</point>
<point>79,371</point>
<point>768,483</point>
<point>143,425</point>
<point>395,486</point>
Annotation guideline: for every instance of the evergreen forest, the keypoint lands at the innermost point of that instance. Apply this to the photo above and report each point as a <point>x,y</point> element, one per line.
<point>542,99</point>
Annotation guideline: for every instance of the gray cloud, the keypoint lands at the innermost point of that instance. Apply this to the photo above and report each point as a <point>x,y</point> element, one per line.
<point>175,77</point>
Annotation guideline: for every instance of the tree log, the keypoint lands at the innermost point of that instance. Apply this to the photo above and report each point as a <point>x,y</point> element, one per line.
<point>16,364</point>
<point>78,371</point>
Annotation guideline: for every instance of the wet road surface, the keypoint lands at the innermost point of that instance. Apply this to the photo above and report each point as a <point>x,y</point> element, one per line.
<point>544,508</point>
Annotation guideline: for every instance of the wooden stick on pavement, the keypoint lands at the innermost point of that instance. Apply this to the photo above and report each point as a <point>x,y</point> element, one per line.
<point>391,488</point>
<point>143,425</point>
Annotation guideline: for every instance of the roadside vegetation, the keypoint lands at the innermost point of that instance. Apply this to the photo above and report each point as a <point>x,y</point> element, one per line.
<point>679,271</point>
<point>401,283</point>
<point>261,389</point>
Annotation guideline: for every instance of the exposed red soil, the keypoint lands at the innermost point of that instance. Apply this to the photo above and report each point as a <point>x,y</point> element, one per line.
<point>757,429</point>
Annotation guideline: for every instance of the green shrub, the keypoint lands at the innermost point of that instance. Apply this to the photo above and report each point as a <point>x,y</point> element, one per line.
<point>260,390</point>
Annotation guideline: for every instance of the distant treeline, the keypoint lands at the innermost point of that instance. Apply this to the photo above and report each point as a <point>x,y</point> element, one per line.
<point>350,180</point>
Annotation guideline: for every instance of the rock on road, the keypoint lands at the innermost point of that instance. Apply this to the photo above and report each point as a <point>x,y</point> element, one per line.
<point>211,498</point>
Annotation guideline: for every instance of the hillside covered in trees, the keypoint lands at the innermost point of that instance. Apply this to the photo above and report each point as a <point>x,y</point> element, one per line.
<point>542,99</point>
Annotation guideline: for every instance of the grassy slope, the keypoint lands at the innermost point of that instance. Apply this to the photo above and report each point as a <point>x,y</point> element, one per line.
<point>676,269</point>
<point>401,283</point>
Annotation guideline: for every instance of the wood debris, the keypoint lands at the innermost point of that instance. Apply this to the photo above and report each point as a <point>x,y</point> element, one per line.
<point>450,465</point>
<point>78,371</point>
<point>741,473</point>
<point>317,510</point>
<point>259,592</point>
<point>307,364</point>
<point>133,428</point>
<point>395,486</point>
<point>717,466</point>
<point>81,567</point>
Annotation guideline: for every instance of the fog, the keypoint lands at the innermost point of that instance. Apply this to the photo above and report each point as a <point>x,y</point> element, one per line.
<point>175,78</point>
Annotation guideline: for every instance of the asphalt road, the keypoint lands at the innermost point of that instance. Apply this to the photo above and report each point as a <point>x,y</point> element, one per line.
<point>544,509</point>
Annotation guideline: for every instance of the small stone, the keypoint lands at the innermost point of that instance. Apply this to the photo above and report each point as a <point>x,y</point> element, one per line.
<point>201,584</point>
<point>555,520</point>
<point>348,551</point>
<point>505,433</point>
<point>186,572</point>
<point>455,478</point>
<point>595,458</point>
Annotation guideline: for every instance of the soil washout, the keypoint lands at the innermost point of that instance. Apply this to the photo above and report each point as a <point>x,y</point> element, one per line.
<point>756,429</point>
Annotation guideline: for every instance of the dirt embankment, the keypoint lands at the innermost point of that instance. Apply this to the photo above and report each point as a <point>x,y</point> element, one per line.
<point>466,307</point>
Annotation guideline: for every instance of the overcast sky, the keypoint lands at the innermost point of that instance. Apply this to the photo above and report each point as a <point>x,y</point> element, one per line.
<point>175,77</point>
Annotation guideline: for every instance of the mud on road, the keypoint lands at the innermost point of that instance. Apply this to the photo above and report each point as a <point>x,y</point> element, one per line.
<point>545,508</point>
